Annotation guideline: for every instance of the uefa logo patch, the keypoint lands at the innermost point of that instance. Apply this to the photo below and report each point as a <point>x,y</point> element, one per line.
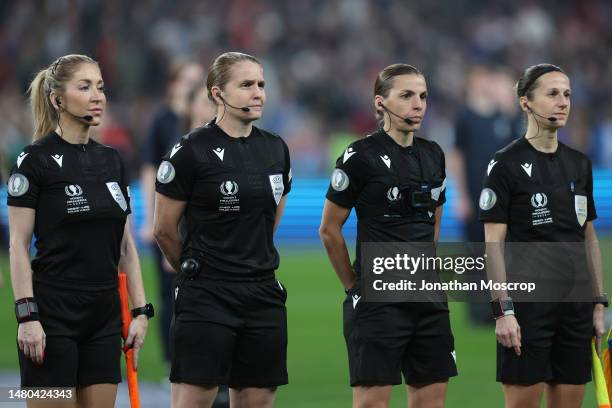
<point>229,188</point>
<point>165,172</point>
<point>18,185</point>
<point>393,194</point>
<point>539,200</point>
<point>339,180</point>
<point>488,198</point>
<point>73,190</point>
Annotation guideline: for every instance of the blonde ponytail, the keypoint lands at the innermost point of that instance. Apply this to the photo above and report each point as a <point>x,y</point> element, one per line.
<point>45,119</point>
<point>46,81</point>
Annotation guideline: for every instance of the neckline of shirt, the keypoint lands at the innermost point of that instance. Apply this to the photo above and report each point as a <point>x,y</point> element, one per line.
<point>241,139</point>
<point>544,154</point>
<point>389,140</point>
<point>78,146</point>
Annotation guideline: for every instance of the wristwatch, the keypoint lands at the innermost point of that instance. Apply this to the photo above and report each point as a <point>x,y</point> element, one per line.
<point>601,300</point>
<point>146,310</point>
<point>26,310</point>
<point>502,307</point>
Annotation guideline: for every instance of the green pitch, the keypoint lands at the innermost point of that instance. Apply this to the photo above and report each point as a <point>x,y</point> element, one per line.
<point>318,369</point>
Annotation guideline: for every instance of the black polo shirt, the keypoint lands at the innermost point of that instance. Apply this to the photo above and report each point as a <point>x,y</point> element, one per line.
<point>232,187</point>
<point>377,176</point>
<point>82,201</point>
<point>544,198</point>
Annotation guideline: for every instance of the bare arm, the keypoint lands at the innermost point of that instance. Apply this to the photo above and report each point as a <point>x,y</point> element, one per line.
<point>280,210</point>
<point>147,181</point>
<point>31,337</point>
<point>168,213</point>
<point>594,263</point>
<point>330,231</point>
<point>594,259</point>
<point>507,329</point>
<point>21,228</point>
<point>437,224</point>
<point>495,236</point>
<point>130,264</point>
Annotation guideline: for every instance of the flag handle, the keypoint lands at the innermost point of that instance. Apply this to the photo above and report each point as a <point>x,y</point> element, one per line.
<point>126,318</point>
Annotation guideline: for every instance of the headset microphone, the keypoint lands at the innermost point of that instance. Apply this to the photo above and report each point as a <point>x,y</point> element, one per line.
<point>244,109</point>
<point>550,118</point>
<point>87,118</point>
<point>408,121</point>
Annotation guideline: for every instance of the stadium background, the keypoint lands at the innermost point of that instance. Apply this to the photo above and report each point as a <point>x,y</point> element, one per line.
<point>320,60</point>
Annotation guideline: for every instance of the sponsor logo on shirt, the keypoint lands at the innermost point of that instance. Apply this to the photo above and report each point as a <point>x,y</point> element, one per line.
<point>488,198</point>
<point>393,194</point>
<point>58,159</point>
<point>339,180</point>
<point>276,182</point>
<point>175,149</point>
<point>73,190</point>
<point>347,154</point>
<point>386,160</point>
<point>20,158</point>
<point>18,185</point>
<point>229,201</point>
<point>492,164</point>
<point>541,214</point>
<point>219,152</point>
<point>527,167</point>
<point>75,203</point>
<point>165,172</point>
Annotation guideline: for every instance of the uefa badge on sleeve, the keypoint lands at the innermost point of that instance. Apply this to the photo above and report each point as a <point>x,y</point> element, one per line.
<point>276,182</point>
<point>339,180</point>
<point>18,185</point>
<point>580,204</point>
<point>487,199</point>
<point>166,172</point>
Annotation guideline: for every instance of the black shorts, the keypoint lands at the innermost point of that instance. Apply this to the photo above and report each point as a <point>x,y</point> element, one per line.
<point>232,333</point>
<point>385,340</point>
<point>555,345</point>
<point>83,345</point>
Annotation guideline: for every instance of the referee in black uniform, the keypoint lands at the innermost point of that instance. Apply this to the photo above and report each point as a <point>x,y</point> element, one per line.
<point>396,182</point>
<point>229,179</point>
<point>539,190</point>
<point>71,193</point>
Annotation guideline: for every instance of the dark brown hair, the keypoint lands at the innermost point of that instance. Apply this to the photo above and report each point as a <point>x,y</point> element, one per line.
<point>384,80</point>
<point>528,80</point>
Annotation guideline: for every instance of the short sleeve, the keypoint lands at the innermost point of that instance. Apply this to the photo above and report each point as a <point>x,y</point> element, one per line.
<point>591,211</point>
<point>439,192</point>
<point>25,181</point>
<point>176,173</point>
<point>347,179</point>
<point>124,185</point>
<point>287,176</point>
<point>494,200</point>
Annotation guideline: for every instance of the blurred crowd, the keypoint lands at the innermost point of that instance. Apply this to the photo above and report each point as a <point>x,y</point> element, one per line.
<point>320,61</point>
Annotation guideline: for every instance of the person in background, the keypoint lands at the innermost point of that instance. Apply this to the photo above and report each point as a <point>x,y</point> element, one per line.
<point>489,121</point>
<point>169,124</point>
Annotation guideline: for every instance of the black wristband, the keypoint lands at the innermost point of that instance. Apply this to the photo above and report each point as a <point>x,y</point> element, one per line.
<point>146,310</point>
<point>26,310</point>
<point>601,300</point>
<point>502,307</point>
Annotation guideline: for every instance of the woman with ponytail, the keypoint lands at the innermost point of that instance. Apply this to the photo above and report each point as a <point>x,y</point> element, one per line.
<point>71,192</point>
